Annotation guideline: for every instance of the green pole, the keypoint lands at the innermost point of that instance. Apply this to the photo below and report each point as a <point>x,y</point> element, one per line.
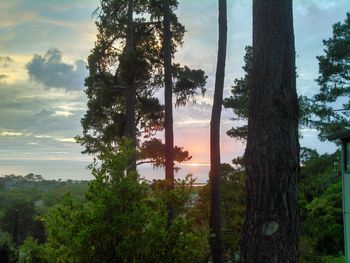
<point>346,196</point>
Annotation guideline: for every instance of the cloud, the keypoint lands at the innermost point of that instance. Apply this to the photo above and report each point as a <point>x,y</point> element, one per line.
<point>29,107</point>
<point>5,61</point>
<point>37,123</point>
<point>3,77</point>
<point>320,4</point>
<point>72,140</point>
<point>10,133</point>
<point>12,14</point>
<point>50,71</point>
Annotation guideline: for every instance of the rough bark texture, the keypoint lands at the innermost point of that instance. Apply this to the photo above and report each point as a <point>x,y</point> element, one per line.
<point>272,153</point>
<point>215,213</point>
<point>130,89</point>
<point>168,101</point>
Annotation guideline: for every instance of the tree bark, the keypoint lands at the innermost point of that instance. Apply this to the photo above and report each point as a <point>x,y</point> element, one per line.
<point>130,88</point>
<point>272,154</point>
<point>168,101</point>
<point>215,213</point>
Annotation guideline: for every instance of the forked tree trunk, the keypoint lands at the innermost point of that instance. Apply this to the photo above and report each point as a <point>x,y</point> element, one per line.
<point>130,89</point>
<point>272,153</point>
<point>168,125</point>
<point>215,213</point>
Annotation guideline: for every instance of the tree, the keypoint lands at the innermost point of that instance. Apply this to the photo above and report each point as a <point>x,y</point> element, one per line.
<point>329,110</point>
<point>272,153</point>
<point>168,99</point>
<point>130,85</point>
<point>121,67</point>
<point>319,194</point>
<point>323,111</point>
<point>30,251</point>
<point>124,65</point>
<point>215,176</point>
<point>233,209</point>
<point>8,251</point>
<point>18,219</point>
<point>239,99</point>
<point>123,219</point>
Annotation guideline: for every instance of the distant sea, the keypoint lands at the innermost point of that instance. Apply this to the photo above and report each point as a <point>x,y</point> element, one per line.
<point>77,170</point>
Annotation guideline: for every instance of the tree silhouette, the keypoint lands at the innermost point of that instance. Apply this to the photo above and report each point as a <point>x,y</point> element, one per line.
<point>272,154</point>
<point>329,110</point>
<point>126,69</point>
<point>215,176</point>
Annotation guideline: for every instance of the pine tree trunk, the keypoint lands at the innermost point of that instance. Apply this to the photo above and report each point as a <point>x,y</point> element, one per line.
<point>168,85</point>
<point>272,153</point>
<point>130,89</point>
<point>215,213</point>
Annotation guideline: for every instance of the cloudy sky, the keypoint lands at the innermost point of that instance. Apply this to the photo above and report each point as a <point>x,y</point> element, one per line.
<point>43,51</point>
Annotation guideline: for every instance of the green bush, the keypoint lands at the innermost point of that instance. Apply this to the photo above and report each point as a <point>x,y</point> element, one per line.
<point>124,220</point>
<point>8,252</point>
<point>31,252</point>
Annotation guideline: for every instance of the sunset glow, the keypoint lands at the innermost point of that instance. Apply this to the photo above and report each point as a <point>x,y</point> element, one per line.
<point>40,111</point>
<point>196,164</point>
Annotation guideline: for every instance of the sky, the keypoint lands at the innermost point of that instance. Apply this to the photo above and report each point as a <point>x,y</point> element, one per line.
<point>43,50</point>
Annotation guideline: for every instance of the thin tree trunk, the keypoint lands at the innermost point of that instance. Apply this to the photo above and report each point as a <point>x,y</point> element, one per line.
<point>130,89</point>
<point>168,86</point>
<point>215,180</point>
<point>272,154</point>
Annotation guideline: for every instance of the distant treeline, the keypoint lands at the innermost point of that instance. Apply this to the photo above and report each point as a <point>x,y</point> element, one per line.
<point>25,199</point>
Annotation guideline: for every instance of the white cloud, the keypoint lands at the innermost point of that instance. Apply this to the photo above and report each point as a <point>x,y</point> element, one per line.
<point>10,133</point>
<point>65,140</point>
<point>62,113</point>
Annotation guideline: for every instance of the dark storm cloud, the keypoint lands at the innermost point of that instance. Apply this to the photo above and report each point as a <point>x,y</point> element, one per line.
<point>50,71</point>
<point>5,61</point>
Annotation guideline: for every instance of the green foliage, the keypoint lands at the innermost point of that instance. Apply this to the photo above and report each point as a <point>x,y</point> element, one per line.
<point>187,83</point>
<point>111,70</point>
<point>307,154</point>
<point>333,259</point>
<point>329,110</point>
<point>124,220</point>
<point>320,204</point>
<point>318,173</point>
<point>233,209</point>
<point>152,151</point>
<point>24,198</point>
<point>122,217</point>
<point>8,251</point>
<point>322,228</point>
<point>239,99</point>
<point>18,220</point>
<point>31,252</point>
<point>327,220</point>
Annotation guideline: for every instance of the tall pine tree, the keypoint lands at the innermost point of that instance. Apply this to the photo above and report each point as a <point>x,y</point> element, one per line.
<point>329,109</point>
<point>272,154</point>
<point>126,69</point>
<point>215,164</point>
